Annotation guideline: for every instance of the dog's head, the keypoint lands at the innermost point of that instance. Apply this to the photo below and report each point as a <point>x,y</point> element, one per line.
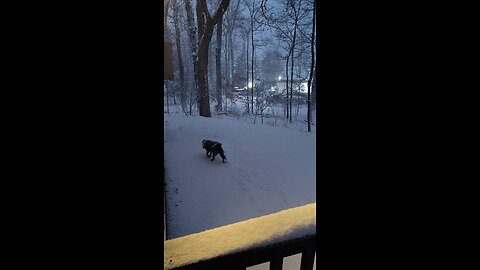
<point>203,143</point>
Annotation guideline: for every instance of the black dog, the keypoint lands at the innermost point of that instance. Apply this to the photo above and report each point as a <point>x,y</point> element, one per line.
<point>214,148</point>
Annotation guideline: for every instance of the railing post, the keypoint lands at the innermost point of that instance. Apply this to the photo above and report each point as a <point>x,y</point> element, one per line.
<point>276,263</point>
<point>238,267</point>
<point>308,256</point>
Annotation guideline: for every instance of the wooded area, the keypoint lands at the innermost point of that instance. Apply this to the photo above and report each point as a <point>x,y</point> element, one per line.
<point>251,54</point>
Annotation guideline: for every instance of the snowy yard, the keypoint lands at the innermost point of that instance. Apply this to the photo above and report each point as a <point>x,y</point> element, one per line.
<point>268,169</point>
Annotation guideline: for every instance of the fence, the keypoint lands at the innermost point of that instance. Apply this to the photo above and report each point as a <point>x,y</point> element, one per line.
<point>236,246</point>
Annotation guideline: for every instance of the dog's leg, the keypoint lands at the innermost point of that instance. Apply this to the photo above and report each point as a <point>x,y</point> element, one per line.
<point>206,151</point>
<point>214,153</point>
<point>222,154</point>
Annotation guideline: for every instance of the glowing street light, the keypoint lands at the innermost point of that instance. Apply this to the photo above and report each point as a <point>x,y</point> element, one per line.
<point>249,84</point>
<point>279,78</point>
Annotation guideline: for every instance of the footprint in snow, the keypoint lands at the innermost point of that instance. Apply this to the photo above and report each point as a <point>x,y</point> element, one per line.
<point>241,173</point>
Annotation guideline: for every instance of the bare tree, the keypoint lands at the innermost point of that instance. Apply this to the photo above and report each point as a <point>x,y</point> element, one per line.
<point>309,116</point>
<point>292,5</point>
<point>192,34</point>
<point>205,25</point>
<point>253,7</point>
<point>280,25</point>
<point>165,6</point>
<point>286,84</point>
<point>175,11</point>
<point>246,27</point>
<point>218,64</point>
<point>230,26</point>
<point>287,28</point>
<point>165,11</point>
<point>314,87</point>
<point>190,85</point>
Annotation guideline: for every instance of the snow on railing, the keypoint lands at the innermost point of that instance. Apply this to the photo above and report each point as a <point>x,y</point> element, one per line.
<point>290,230</point>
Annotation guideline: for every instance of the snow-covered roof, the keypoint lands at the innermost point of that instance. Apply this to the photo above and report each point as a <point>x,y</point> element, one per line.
<point>253,233</point>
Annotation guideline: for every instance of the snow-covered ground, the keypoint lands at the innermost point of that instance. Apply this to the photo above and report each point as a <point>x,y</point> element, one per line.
<point>268,169</point>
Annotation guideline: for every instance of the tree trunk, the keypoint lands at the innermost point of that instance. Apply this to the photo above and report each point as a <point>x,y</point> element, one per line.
<point>252,34</point>
<point>312,47</point>
<point>286,84</point>
<point>314,87</point>
<point>230,32</point>
<point>166,96</point>
<point>227,70</point>
<point>165,11</point>
<point>248,64</point>
<point>211,68</point>
<point>203,97</point>
<point>232,59</point>
<point>218,64</point>
<point>183,96</point>
<point>205,25</point>
<point>193,44</point>
<point>253,56</point>
<point>291,71</point>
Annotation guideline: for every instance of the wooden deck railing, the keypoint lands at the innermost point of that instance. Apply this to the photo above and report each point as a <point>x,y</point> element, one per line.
<point>273,253</point>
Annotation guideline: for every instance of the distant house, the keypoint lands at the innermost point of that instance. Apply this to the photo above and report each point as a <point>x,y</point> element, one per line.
<point>280,86</point>
<point>237,89</point>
